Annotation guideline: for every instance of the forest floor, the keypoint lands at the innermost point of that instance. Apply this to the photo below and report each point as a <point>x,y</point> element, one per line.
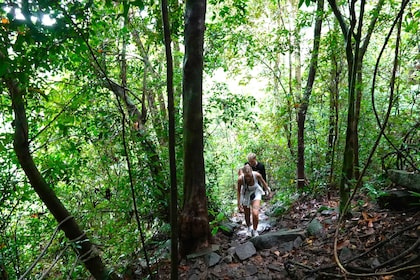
<point>374,243</point>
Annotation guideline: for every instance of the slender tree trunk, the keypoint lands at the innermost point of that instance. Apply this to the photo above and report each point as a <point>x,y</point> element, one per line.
<point>358,103</point>
<point>87,252</point>
<point>153,159</point>
<point>333,119</point>
<point>355,51</point>
<point>194,220</point>
<point>352,52</point>
<point>301,116</point>
<point>359,85</point>
<point>172,162</point>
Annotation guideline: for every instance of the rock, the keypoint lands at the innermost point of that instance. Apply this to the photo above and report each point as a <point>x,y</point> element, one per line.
<point>228,259</point>
<point>345,254</point>
<point>273,239</point>
<point>228,228</point>
<point>398,200</point>
<point>204,251</point>
<point>212,259</point>
<point>297,242</point>
<point>275,268</point>
<point>315,228</point>
<point>245,251</point>
<point>251,269</point>
<point>409,180</point>
<point>285,247</point>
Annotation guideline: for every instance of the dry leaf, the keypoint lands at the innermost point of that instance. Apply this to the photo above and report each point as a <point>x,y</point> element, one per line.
<point>343,244</point>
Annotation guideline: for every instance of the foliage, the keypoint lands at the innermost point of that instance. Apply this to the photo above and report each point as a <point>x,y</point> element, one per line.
<point>250,101</point>
<point>216,223</point>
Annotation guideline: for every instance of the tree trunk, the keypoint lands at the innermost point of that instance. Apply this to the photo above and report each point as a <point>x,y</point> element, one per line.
<point>359,85</point>
<point>354,56</point>
<point>358,103</point>
<point>333,117</point>
<point>87,252</point>
<point>171,133</point>
<point>194,221</point>
<point>153,160</point>
<point>305,101</point>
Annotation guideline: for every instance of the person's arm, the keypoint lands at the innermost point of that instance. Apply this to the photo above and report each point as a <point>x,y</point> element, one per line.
<point>238,193</point>
<point>263,182</point>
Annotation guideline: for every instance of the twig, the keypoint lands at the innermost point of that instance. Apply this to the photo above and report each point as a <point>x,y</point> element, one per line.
<point>377,245</point>
<point>53,264</point>
<point>381,243</point>
<point>400,256</point>
<point>46,248</point>
<point>300,264</point>
<point>72,267</point>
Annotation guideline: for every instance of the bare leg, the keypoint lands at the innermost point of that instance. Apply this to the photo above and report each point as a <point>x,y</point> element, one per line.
<point>247,212</point>
<point>255,213</point>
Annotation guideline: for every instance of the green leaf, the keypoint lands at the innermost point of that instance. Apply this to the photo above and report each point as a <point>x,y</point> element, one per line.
<point>4,65</point>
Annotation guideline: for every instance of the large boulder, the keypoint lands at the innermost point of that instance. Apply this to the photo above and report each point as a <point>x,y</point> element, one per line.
<point>409,180</point>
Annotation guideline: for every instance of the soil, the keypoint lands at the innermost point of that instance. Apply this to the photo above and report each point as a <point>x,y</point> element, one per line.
<point>372,243</point>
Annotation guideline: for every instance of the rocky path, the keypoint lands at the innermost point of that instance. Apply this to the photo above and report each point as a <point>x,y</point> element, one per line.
<point>373,244</point>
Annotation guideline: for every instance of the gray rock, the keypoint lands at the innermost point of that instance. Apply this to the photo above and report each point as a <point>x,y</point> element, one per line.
<point>228,228</point>
<point>203,252</point>
<point>231,251</point>
<point>212,259</point>
<point>315,228</point>
<point>251,269</point>
<point>228,259</point>
<point>345,254</point>
<point>286,247</point>
<point>245,251</point>
<point>273,239</point>
<point>409,180</point>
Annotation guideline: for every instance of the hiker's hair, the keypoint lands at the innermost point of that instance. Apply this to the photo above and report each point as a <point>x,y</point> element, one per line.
<point>247,169</point>
<point>251,156</point>
<point>240,171</point>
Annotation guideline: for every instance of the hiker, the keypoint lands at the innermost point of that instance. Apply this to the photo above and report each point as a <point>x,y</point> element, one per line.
<point>250,192</point>
<point>256,165</point>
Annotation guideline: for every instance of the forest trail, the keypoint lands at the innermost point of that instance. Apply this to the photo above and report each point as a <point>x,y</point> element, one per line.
<point>374,240</point>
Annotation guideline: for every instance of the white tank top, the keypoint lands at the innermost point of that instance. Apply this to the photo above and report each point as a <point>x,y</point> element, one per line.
<point>253,187</point>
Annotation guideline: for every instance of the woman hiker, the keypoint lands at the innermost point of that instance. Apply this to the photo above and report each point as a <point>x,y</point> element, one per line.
<point>249,192</point>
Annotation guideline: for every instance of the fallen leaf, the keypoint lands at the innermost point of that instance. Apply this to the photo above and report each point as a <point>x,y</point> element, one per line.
<point>343,244</point>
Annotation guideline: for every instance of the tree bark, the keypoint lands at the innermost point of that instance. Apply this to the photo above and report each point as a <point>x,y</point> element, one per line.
<point>354,54</point>
<point>87,252</point>
<point>171,133</point>
<point>194,221</point>
<point>153,160</point>
<point>333,116</point>
<point>359,85</point>
<point>301,116</point>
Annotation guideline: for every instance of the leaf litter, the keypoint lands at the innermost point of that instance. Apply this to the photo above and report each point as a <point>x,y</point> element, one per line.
<point>373,243</point>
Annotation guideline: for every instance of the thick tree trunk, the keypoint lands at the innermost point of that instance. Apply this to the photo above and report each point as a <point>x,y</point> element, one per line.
<point>87,252</point>
<point>194,221</point>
